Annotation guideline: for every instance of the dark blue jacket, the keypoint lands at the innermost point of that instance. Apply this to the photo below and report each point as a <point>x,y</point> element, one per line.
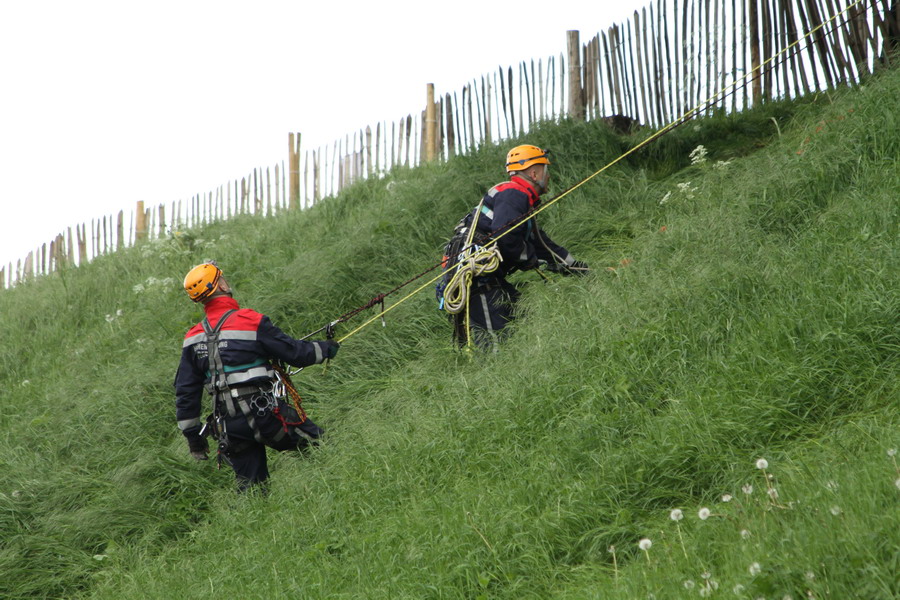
<point>248,341</point>
<point>506,203</point>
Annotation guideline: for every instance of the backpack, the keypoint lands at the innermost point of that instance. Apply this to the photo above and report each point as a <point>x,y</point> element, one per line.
<point>453,251</point>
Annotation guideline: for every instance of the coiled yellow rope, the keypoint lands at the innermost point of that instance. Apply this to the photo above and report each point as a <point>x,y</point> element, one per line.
<point>478,261</point>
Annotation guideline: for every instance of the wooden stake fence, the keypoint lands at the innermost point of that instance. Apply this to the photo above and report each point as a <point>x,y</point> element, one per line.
<point>670,57</point>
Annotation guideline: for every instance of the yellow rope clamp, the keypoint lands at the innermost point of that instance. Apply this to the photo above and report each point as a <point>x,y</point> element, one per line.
<point>491,245</point>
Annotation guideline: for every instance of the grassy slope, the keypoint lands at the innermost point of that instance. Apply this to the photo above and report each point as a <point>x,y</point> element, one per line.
<point>760,322</point>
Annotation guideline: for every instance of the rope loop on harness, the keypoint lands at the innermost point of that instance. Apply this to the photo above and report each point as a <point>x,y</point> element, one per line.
<point>476,261</point>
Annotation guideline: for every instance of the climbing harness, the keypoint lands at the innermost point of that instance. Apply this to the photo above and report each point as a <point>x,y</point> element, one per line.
<point>254,402</point>
<point>723,93</point>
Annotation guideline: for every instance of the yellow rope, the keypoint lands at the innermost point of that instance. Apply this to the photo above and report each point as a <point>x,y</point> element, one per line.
<point>658,134</point>
<point>478,261</point>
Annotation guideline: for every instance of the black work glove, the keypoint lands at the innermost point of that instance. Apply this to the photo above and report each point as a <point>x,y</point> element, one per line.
<point>198,447</point>
<point>331,348</point>
<point>576,268</point>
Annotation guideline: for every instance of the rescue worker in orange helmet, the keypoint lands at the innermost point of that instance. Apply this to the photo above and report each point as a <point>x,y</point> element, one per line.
<point>492,298</point>
<point>230,354</point>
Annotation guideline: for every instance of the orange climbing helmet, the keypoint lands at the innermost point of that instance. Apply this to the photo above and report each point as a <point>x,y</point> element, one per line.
<point>202,281</point>
<point>522,157</point>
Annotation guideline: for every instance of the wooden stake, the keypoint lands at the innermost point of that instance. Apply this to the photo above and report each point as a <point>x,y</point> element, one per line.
<point>576,103</point>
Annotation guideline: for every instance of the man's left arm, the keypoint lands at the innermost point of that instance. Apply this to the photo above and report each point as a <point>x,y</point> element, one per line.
<point>558,259</point>
<point>188,403</point>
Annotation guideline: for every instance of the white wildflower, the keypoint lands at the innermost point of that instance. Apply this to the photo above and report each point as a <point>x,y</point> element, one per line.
<point>665,198</point>
<point>836,510</point>
<point>747,489</point>
<point>721,164</point>
<point>689,584</point>
<point>726,497</point>
<point>686,189</point>
<point>755,569</point>
<point>137,289</point>
<point>676,514</point>
<point>698,155</point>
<point>645,544</point>
<point>745,534</point>
<point>762,464</point>
<point>703,513</point>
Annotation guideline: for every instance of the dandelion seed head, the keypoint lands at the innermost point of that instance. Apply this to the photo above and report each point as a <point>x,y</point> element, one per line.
<point>897,483</point>
<point>773,493</point>
<point>645,544</point>
<point>726,497</point>
<point>745,534</point>
<point>689,584</point>
<point>611,549</point>
<point>836,510</point>
<point>16,493</point>
<point>762,464</point>
<point>747,489</point>
<point>787,597</point>
<point>755,569</point>
<point>892,452</point>
<point>705,592</point>
<point>26,382</point>
<point>99,557</point>
<point>119,312</point>
<point>705,574</point>
<point>832,485</point>
<point>810,576</point>
<point>676,514</point>
<point>110,318</point>
<point>738,589</point>
<point>703,513</point>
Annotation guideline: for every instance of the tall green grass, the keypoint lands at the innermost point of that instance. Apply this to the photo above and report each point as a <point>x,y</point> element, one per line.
<point>736,311</point>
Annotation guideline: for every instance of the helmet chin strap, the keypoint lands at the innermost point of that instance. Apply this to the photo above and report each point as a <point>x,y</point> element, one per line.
<point>540,185</point>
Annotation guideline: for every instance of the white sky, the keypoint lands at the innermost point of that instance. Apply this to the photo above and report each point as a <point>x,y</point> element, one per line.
<point>104,103</point>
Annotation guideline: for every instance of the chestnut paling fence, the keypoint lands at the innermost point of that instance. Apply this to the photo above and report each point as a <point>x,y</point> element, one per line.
<point>669,58</point>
